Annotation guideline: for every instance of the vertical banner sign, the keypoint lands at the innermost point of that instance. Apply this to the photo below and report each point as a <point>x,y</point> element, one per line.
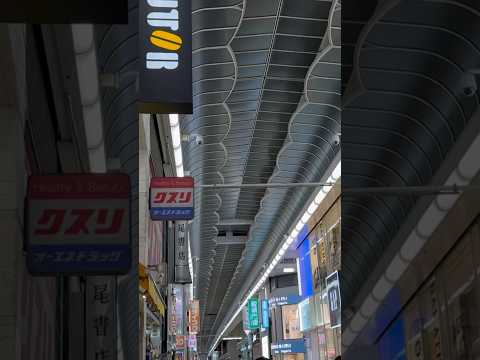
<point>178,291</point>
<point>246,325</point>
<point>334,301</point>
<point>171,198</point>
<point>165,56</point>
<point>253,314</point>
<point>265,314</point>
<point>182,270</point>
<point>100,318</point>
<point>194,317</point>
<point>172,313</point>
<point>192,342</point>
<point>78,224</point>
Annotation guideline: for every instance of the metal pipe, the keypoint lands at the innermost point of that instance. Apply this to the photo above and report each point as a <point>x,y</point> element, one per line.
<point>380,190</point>
<point>270,185</point>
<point>409,190</point>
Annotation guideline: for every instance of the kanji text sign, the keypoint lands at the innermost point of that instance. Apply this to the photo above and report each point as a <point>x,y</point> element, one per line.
<point>100,318</point>
<point>78,224</point>
<point>171,198</point>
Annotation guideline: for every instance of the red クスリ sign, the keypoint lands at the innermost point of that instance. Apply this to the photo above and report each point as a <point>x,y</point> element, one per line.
<point>171,198</point>
<point>73,220</point>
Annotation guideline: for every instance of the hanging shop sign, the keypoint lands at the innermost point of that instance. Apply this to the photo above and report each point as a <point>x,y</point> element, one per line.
<point>291,299</point>
<point>165,56</point>
<point>101,322</point>
<point>182,270</point>
<point>265,314</point>
<point>174,322</point>
<point>289,347</point>
<point>78,224</point>
<point>245,325</point>
<point>194,317</point>
<point>180,342</point>
<point>192,342</point>
<point>334,300</point>
<point>65,12</point>
<point>253,314</point>
<point>179,309</point>
<point>171,198</point>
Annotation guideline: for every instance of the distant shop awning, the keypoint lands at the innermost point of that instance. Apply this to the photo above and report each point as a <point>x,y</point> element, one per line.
<point>147,286</point>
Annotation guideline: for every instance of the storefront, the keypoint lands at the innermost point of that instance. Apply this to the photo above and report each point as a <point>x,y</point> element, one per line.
<point>441,319</point>
<point>287,339</point>
<point>318,263</point>
<point>322,337</point>
<point>152,315</point>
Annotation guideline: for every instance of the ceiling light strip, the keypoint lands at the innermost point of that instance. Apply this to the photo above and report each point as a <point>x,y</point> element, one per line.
<point>322,193</point>
<point>176,143</point>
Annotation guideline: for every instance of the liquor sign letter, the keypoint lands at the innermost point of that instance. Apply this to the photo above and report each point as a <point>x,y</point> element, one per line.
<point>165,56</point>
<point>171,198</point>
<point>78,224</point>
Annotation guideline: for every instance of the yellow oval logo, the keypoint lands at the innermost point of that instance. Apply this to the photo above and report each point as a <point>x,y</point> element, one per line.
<point>166,40</point>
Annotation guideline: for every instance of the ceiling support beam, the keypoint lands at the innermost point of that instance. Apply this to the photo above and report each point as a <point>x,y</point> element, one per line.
<point>235,222</point>
<point>229,239</point>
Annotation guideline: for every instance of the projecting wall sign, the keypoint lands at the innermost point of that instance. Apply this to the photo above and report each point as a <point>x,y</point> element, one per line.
<point>78,224</point>
<point>171,198</point>
<point>165,56</point>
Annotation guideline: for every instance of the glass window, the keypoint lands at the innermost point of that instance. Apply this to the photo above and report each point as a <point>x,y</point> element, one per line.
<point>291,324</point>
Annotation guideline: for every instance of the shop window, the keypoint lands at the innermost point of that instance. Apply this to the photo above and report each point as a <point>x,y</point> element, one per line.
<point>290,322</point>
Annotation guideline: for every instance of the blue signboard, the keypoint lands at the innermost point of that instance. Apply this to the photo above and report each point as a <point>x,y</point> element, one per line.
<point>289,346</point>
<point>171,198</point>
<point>265,314</point>
<point>78,258</point>
<point>290,299</point>
<point>305,269</point>
<point>171,214</point>
<point>78,224</point>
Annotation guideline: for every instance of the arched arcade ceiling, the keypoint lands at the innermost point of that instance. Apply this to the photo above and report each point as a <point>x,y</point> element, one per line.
<point>267,103</point>
<point>403,110</point>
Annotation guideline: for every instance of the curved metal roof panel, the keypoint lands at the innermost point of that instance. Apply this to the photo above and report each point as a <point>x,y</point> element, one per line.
<point>403,111</point>
<point>267,102</point>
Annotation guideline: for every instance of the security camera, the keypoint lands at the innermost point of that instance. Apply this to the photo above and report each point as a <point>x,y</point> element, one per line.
<point>198,139</point>
<point>336,139</point>
<point>194,137</point>
<point>469,84</point>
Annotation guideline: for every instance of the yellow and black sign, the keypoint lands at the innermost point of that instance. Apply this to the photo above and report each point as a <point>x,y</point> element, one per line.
<point>165,56</point>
